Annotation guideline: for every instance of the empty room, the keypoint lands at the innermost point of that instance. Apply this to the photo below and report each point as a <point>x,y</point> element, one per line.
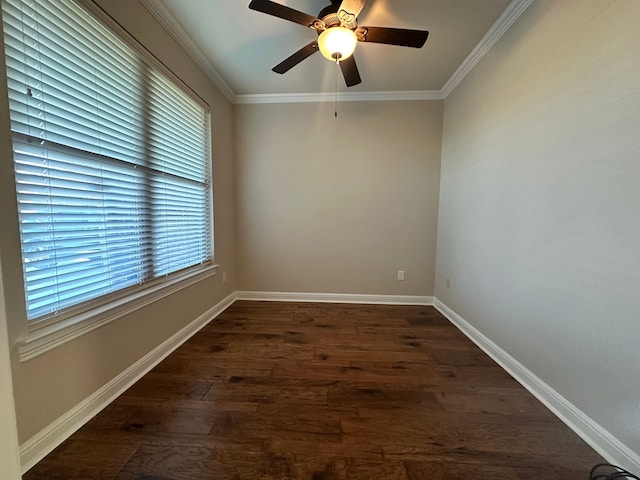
<point>322,240</point>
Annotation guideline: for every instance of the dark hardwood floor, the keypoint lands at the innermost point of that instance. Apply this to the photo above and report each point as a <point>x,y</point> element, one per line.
<point>323,392</point>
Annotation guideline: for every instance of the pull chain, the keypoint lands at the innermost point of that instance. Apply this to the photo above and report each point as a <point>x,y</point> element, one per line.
<point>335,113</point>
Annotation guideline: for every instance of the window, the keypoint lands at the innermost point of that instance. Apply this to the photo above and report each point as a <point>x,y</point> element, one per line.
<point>111,162</point>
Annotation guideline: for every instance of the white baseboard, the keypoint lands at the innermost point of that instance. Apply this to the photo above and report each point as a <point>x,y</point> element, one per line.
<point>591,432</point>
<point>335,298</point>
<point>42,443</point>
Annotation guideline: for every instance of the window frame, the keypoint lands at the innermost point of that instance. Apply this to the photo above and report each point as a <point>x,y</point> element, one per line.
<point>48,332</point>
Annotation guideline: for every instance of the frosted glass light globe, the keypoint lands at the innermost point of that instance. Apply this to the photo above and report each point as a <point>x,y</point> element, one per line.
<point>337,43</point>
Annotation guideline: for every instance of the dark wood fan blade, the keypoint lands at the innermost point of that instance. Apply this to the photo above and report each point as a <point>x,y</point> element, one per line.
<point>281,11</point>
<point>350,71</point>
<point>296,58</point>
<point>395,36</point>
<point>352,7</point>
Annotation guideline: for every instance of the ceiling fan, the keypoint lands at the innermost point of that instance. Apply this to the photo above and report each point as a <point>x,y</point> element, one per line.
<point>338,34</point>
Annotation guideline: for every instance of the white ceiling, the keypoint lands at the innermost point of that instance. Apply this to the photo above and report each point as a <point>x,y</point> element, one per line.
<point>238,47</point>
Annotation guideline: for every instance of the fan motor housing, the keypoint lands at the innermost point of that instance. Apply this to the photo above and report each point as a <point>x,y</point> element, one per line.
<point>330,16</point>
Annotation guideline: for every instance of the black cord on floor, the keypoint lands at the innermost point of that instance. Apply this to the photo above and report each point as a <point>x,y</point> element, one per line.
<point>610,472</point>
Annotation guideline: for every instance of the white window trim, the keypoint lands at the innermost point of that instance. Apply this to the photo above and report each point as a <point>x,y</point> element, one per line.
<point>43,339</point>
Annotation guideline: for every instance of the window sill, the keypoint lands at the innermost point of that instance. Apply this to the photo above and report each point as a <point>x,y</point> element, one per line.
<point>41,340</point>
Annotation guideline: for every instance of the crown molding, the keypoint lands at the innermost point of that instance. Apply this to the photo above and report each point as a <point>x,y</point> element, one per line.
<point>508,17</point>
<point>502,24</point>
<point>164,17</point>
<point>342,97</point>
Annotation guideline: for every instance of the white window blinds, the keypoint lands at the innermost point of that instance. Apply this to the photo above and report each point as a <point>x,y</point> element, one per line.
<point>111,161</point>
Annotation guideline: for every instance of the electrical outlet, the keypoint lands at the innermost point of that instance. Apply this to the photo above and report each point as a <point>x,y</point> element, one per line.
<point>447,282</point>
<point>401,275</point>
<point>224,277</point>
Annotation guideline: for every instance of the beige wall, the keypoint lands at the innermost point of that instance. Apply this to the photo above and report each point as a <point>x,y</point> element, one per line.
<point>9,455</point>
<point>51,384</point>
<point>338,205</point>
<point>9,458</point>
<point>539,227</point>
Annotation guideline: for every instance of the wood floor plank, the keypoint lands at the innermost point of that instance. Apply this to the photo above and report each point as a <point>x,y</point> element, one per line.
<point>456,471</point>
<point>331,468</point>
<point>80,460</point>
<point>326,448</point>
<point>315,391</point>
<point>167,462</point>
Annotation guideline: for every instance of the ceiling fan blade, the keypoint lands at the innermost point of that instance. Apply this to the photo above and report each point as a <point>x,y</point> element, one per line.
<point>296,58</point>
<point>395,36</point>
<point>350,71</point>
<point>282,11</point>
<point>352,7</point>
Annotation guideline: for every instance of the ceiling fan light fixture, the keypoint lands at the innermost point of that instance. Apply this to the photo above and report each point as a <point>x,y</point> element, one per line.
<point>337,43</point>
